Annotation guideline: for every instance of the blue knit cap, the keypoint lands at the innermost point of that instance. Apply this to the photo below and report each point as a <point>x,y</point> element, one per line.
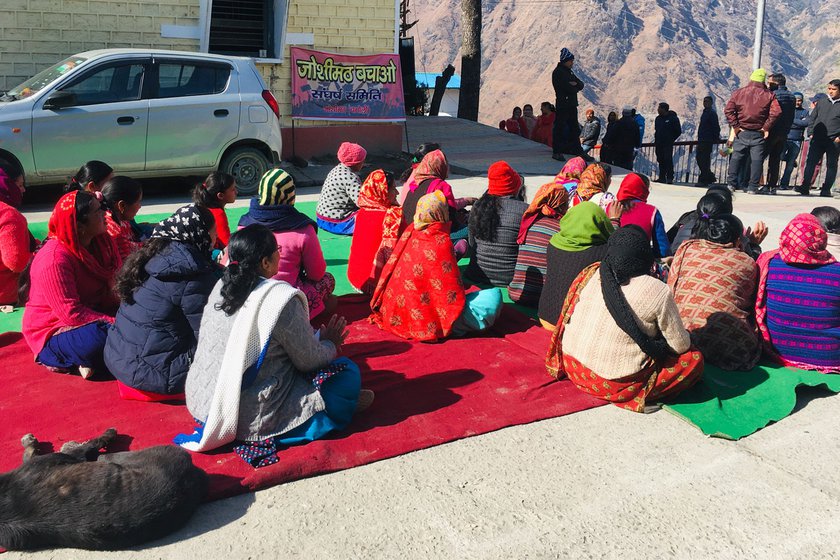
<point>799,94</point>
<point>566,54</point>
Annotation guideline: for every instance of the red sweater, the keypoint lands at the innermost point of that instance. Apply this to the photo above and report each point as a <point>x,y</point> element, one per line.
<point>63,294</point>
<point>14,251</point>
<point>222,227</point>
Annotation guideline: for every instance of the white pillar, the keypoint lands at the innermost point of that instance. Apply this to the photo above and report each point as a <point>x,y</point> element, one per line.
<point>759,34</point>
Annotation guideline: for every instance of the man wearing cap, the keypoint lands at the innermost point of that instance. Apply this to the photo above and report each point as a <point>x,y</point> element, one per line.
<point>824,131</point>
<point>778,134</point>
<point>622,138</point>
<point>566,132</point>
<point>793,144</point>
<point>336,210</point>
<point>590,132</point>
<point>751,111</point>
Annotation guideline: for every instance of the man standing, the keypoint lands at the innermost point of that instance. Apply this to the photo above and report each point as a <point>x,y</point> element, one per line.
<point>591,131</point>
<point>824,131</point>
<point>751,112</point>
<point>621,139</point>
<point>778,134</point>
<point>708,134</point>
<point>666,130</point>
<point>566,87</point>
<point>793,144</point>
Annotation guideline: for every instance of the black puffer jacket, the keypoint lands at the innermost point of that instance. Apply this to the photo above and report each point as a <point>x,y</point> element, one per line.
<point>566,87</point>
<point>153,340</point>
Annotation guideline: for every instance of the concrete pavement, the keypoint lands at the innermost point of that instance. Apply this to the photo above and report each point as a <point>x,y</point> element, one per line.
<point>603,483</point>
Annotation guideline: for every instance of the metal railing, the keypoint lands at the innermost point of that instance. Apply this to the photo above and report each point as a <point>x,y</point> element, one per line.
<point>685,165</point>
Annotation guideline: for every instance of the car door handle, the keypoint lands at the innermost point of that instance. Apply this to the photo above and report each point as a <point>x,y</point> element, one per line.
<point>221,113</point>
<point>125,120</point>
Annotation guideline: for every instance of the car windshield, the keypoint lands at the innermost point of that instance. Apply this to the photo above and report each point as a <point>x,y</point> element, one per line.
<point>37,82</point>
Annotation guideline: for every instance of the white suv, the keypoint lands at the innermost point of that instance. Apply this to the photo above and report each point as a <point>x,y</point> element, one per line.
<point>147,113</point>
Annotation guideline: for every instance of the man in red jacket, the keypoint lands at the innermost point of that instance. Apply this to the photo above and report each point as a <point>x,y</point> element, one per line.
<point>751,111</point>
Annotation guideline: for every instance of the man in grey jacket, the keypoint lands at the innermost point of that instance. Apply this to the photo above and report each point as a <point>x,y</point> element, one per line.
<point>590,132</point>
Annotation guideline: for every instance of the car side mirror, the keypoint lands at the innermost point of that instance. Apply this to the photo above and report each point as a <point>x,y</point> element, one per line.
<point>59,100</point>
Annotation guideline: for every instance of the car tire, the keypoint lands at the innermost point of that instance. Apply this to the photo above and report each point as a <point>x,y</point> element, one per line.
<point>247,165</point>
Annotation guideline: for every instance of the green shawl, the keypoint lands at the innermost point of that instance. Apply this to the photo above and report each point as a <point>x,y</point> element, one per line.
<point>584,226</point>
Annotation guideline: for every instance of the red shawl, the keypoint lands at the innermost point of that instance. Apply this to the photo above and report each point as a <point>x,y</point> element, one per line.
<point>803,241</point>
<point>101,258</point>
<point>374,196</point>
<point>420,294</point>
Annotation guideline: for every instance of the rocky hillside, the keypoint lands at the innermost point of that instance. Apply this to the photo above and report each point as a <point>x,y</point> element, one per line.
<point>639,52</point>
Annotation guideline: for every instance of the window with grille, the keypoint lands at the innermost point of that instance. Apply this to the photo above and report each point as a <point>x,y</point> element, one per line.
<point>243,28</point>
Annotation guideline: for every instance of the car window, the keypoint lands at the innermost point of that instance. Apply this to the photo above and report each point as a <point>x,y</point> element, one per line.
<point>110,84</point>
<point>45,77</point>
<point>177,79</point>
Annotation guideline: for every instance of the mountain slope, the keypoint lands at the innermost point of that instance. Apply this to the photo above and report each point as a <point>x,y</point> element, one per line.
<point>637,53</point>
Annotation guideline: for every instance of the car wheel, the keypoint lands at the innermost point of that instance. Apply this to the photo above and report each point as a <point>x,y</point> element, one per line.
<point>247,165</point>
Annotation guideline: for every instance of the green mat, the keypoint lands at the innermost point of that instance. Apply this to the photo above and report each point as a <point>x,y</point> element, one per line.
<point>733,405</point>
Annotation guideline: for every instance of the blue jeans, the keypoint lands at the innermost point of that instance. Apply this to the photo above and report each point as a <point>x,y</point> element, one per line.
<point>82,346</point>
<point>792,149</point>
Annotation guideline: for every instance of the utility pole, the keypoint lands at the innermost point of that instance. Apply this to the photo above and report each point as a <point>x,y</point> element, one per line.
<point>470,60</point>
<point>759,34</point>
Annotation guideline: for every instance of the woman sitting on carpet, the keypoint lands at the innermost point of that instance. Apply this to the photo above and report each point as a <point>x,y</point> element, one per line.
<point>420,295</point>
<point>123,197</point>
<point>378,227</point>
<point>716,202</point>
<point>593,185</point>
<point>69,295</point>
<point>539,223</point>
<point>90,177</point>
<point>217,191</point>
<point>798,302</point>
<point>632,197</point>
<point>581,241</point>
<point>16,243</point>
<point>569,176</point>
<point>620,337</point>
<point>260,375</point>
<point>430,176</point>
<point>714,284</point>
<point>336,210</point>
<point>302,261</point>
<point>494,227</point>
<point>163,288</point>
<point>407,176</point>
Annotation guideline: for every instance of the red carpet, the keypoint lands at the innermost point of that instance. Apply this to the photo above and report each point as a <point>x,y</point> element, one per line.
<point>426,395</point>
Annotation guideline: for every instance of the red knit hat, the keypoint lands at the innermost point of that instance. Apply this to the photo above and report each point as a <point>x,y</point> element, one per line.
<point>502,180</point>
<point>633,187</point>
<point>351,154</point>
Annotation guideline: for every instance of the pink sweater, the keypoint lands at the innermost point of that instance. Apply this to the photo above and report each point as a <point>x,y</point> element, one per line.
<point>14,251</point>
<point>64,294</point>
<point>300,250</point>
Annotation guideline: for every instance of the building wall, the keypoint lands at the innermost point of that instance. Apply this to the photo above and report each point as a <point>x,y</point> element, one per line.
<point>37,33</point>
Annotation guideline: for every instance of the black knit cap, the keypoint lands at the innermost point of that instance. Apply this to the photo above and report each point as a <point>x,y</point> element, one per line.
<point>629,254</point>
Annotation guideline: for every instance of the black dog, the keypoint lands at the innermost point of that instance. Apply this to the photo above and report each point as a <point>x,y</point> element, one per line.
<point>71,499</point>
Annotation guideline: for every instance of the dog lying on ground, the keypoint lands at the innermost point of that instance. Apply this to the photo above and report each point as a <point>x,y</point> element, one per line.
<point>79,499</point>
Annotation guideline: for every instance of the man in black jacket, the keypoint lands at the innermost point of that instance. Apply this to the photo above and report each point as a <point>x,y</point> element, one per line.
<point>566,133</point>
<point>708,134</point>
<point>778,134</point>
<point>621,139</point>
<point>824,130</point>
<point>666,130</point>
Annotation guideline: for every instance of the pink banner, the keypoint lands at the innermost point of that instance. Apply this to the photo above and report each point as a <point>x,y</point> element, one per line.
<point>328,86</point>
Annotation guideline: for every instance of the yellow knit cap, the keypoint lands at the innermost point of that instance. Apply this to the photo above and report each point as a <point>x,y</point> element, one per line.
<point>759,75</point>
